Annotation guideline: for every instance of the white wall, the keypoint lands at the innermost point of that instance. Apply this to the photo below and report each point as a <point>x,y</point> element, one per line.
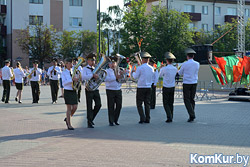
<point>20,18</point>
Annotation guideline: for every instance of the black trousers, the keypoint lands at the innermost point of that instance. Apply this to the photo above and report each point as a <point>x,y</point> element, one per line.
<point>168,101</point>
<point>90,97</point>
<point>35,87</point>
<point>54,87</point>
<point>143,95</point>
<point>79,92</point>
<point>189,91</point>
<point>6,91</point>
<point>114,98</point>
<point>153,96</point>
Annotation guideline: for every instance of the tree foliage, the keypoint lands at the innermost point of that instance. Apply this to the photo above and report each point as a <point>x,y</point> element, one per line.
<point>39,41</point>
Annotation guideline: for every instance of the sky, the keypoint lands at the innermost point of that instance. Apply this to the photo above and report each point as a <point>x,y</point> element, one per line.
<point>106,3</point>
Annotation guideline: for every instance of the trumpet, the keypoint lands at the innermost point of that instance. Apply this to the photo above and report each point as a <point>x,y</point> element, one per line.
<point>13,75</point>
<point>30,74</point>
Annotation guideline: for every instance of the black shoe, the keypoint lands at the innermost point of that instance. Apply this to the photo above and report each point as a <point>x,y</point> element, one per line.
<point>2,100</point>
<point>20,102</point>
<point>71,128</point>
<point>168,120</point>
<point>190,120</point>
<point>117,123</point>
<point>6,102</point>
<point>79,100</point>
<point>111,124</point>
<point>141,122</point>
<point>16,99</point>
<point>90,126</point>
<point>147,121</point>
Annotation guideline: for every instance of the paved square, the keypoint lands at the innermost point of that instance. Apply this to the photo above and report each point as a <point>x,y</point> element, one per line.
<point>36,135</point>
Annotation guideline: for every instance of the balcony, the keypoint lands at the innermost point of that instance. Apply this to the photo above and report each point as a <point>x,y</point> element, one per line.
<point>3,10</point>
<point>3,30</point>
<point>194,16</point>
<point>230,18</point>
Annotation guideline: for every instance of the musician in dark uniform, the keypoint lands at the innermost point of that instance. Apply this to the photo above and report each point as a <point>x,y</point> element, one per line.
<point>70,95</point>
<point>54,73</point>
<point>144,73</point>
<point>114,93</point>
<point>91,95</point>
<point>154,84</point>
<point>6,76</point>
<point>35,76</point>
<point>190,70</point>
<point>168,73</point>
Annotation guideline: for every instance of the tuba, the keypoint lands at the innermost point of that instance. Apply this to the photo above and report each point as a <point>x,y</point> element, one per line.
<point>118,69</point>
<point>77,73</point>
<point>93,84</point>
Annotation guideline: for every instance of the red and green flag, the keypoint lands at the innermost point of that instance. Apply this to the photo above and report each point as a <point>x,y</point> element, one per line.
<point>218,74</point>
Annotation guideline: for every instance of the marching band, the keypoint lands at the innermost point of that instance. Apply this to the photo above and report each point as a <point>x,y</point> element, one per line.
<point>73,75</point>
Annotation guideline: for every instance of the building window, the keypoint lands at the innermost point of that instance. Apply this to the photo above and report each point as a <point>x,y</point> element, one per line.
<point>205,27</point>
<point>189,8</point>
<point>33,20</point>
<point>191,25</point>
<point>75,21</point>
<point>231,11</point>
<point>205,10</point>
<point>217,11</point>
<point>3,2</point>
<point>36,1</point>
<point>247,12</point>
<point>75,2</point>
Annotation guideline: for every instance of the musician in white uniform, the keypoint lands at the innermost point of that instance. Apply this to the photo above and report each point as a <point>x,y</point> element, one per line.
<point>144,73</point>
<point>6,75</point>
<point>190,70</point>
<point>54,73</point>
<point>113,92</point>
<point>168,73</point>
<point>87,74</point>
<point>19,75</point>
<point>70,95</point>
<point>35,73</point>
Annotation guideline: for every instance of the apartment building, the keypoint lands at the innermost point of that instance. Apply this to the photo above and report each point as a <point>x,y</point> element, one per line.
<point>62,14</point>
<point>205,14</point>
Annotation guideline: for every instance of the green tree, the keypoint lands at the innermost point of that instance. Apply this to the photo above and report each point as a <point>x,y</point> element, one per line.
<point>171,33</point>
<point>87,42</point>
<point>39,41</point>
<point>137,25</point>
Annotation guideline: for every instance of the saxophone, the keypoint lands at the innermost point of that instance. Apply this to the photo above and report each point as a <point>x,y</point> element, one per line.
<point>77,73</point>
<point>118,69</point>
<point>93,84</point>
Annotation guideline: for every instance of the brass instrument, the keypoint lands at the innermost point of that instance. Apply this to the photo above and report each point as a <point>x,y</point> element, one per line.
<point>30,74</point>
<point>93,83</point>
<point>77,73</point>
<point>139,62</point>
<point>13,75</point>
<point>118,69</point>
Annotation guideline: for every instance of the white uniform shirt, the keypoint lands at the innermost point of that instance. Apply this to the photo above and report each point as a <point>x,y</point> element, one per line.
<point>19,74</point>
<point>38,74</point>
<point>144,73</point>
<point>190,70</point>
<point>6,73</point>
<point>110,80</point>
<point>168,73</point>
<point>67,79</point>
<point>51,75</point>
<point>155,77</point>
<point>87,73</point>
